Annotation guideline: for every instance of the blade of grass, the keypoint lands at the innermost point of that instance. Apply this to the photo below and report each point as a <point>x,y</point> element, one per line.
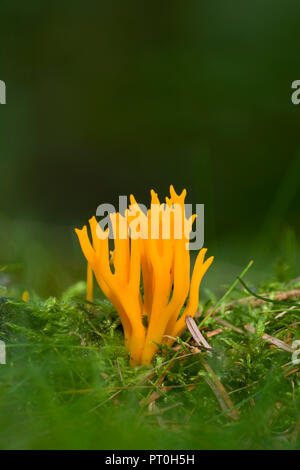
<point>265,299</point>
<point>226,294</point>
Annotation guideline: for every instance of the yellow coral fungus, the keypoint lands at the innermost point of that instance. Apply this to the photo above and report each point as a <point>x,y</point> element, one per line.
<point>25,296</point>
<point>151,249</point>
<point>89,284</point>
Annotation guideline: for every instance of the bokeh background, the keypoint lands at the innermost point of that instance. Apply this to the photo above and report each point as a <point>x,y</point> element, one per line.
<point>113,97</point>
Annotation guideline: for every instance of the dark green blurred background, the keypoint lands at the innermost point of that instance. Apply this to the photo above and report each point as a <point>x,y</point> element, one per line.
<point>113,97</point>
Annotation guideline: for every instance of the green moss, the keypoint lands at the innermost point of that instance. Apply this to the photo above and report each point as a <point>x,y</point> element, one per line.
<point>67,382</point>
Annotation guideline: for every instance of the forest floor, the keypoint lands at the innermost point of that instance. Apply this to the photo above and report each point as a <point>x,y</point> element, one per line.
<point>67,383</point>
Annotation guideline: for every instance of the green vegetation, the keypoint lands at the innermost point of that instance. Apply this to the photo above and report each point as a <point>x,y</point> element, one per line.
<point>67,383</point>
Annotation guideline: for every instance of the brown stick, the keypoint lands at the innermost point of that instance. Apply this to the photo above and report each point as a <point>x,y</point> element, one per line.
<point>255,302</point>
<point>220,392</point>
<point>213,382</point>
<point>271,339</point>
